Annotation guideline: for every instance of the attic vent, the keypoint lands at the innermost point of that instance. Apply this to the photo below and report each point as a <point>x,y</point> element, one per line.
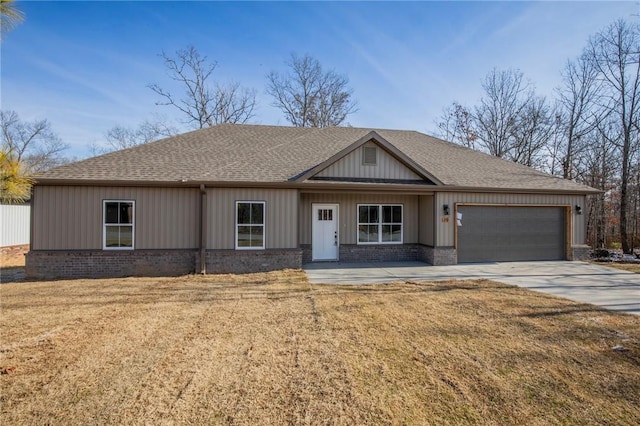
<point>369,156</point>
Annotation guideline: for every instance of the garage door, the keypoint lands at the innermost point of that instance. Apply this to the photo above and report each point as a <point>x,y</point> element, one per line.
<point>500,234</point>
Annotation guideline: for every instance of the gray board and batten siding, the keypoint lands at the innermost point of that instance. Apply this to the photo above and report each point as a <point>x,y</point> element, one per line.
<point>352,166</point>
<point>70,217</point>
<point>281,216</point>
<point>348,213</point>
<point>168,218</point>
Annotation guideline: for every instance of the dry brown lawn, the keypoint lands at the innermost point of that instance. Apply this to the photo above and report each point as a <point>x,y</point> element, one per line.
<point>631,267</point>
<point>273,349</point>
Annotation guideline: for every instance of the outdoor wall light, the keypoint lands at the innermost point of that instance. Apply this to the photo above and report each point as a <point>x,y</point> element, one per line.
<point>578,209</point>
<point>445,209</point>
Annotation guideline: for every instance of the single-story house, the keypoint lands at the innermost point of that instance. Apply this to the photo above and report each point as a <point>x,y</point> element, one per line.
<point>244,198</point>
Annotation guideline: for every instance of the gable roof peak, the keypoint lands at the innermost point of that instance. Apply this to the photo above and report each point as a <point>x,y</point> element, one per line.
<point>371,135</point>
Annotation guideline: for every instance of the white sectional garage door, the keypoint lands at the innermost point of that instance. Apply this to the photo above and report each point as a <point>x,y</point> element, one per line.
<point>510,233</point>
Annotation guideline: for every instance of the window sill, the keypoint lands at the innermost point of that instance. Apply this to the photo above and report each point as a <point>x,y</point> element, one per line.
<point>389,243</point>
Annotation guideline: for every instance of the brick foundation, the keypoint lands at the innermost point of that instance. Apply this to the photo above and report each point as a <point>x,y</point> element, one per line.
<point>379,253</point>
<point>439,256</point>
<point>112,264</point>
<point>580,252</point>
<point>375,253</point>
<point>249,261</point>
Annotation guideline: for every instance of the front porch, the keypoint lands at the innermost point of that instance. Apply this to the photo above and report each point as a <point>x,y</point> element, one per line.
<point>332,228</point>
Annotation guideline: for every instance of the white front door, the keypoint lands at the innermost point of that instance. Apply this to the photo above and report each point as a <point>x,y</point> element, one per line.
<point>325,232</point>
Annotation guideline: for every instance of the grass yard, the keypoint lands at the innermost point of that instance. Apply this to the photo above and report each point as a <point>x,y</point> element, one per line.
<point>631,267</point>
<point>273,349</point>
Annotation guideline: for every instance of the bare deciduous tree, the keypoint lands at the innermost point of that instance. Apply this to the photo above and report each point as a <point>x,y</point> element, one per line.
<point>598,167</point>
<point>309,96</point>
<point>32,144</point>
<point>205,102</point>
<point>506,95</point>
<point>578,99</point>
<point>456,125</point>
<point>120,137</point>
<point>615,55</point>
<point>532,133</point>
<point>510,122</point>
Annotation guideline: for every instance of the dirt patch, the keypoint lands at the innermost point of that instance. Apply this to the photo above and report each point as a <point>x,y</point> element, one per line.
<point>13,256</point>
<point>272,349</point>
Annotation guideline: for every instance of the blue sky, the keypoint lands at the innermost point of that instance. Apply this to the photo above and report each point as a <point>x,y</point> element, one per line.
<point>85,65</point>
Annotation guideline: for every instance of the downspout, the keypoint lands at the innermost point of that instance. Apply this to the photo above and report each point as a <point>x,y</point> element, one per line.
<point>203,230</point>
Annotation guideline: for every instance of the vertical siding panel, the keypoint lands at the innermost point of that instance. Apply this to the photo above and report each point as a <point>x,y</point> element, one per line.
<point>170,214</point>
<point>82,219</point>
<point>146,215</point>
<point>36,200</point>
<point>39,236</point>
<point>42,236</point>
<point>426,220</point>
<point>60,201</point>
<point>47,203</point>
<point>50,231</point>
<point>165,213</point>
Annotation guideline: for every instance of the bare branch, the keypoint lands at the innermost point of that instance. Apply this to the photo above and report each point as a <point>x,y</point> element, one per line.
<point>496,119</point>
<point>120,137</point>
<point>456,125</point>
<point>205,103</point>
<point>615,55</point>
<point>310,97</point>
<point>32,144</point>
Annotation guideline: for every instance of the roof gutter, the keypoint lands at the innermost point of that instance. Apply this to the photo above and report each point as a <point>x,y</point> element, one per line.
<point>313,186</point>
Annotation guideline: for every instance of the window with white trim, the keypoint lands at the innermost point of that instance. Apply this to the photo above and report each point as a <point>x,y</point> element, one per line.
<point>250,225</point>
<point>379,224</point>
<point>118,224</point>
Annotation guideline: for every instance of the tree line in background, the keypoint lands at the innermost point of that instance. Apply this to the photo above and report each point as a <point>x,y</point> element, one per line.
<point>588,133</point>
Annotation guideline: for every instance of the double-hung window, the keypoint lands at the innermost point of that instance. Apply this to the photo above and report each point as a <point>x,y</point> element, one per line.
<point>379,224</point>
<point>118,225</point>
<point>250,225</point>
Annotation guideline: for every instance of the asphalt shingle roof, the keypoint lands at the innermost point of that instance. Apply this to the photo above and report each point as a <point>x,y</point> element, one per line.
<point>272,154</point>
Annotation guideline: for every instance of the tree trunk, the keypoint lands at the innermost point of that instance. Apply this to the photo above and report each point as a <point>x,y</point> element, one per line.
<point>624,197</point>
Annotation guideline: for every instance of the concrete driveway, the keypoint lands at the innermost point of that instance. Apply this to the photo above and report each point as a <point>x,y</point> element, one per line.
<point>583,282</point>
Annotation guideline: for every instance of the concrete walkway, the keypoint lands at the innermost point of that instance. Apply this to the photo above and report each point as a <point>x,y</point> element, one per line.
<point>583,282</point>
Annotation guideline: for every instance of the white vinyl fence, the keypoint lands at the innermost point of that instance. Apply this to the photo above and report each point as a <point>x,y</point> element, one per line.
<point>14,224</point>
